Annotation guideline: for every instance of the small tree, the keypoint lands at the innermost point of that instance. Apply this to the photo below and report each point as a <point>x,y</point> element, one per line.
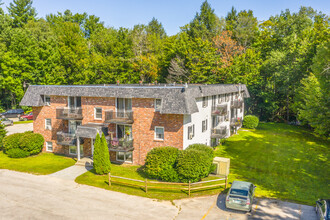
<point>3,133</point>
<point>101,157</point>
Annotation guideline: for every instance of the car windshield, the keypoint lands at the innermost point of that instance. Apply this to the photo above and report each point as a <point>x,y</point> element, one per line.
<point>238,192</point>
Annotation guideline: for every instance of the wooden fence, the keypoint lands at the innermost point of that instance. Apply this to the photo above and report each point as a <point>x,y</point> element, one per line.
<point>167,185</point>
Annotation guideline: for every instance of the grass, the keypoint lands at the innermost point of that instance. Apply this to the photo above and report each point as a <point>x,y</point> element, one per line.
<point>134,172</point>
<point>43,163</point>
<point>22,122</point>
<point>285,162</point>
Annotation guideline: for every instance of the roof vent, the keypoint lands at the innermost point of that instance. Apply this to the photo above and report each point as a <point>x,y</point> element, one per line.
<point>200,89</point>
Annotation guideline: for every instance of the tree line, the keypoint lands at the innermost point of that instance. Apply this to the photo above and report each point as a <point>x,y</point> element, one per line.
<point>284,60</point>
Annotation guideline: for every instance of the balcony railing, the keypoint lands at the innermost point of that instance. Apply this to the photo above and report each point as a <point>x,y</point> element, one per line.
<point>122,144</point>
<point>69,113</point>
<point>219,109</point>
<point>236,122</point>
<point>119,117</point>
<point>66,138</point>
<point>220,132</point>
<point>236,104</point>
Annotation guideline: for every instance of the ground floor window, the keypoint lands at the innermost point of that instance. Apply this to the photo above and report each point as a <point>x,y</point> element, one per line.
<point>125,156</point>
<point>73,150</point>
<point>49,146</point>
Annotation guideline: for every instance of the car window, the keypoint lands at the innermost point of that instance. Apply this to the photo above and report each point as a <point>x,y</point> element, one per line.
<point>238,192</point>
<point>10,111</point>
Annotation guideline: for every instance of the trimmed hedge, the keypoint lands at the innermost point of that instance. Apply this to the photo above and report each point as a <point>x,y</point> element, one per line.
<point>192,165</point>
<point>31,143</point>
<point>11,141</point>
<point>207,151</point>
<point>250,121</point>
<point>17,153</point>
<point>160,163</point>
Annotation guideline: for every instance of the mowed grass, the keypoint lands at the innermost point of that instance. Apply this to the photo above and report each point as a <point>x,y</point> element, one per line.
<point>22,122</point>
<point>285,162</point>
<point>43,163</point>
<point>135,172</point>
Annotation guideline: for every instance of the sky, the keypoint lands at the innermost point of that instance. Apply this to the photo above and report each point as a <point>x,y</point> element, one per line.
<point>173,14</point>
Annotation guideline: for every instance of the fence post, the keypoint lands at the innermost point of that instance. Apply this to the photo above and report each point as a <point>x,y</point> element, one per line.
<point>109,175</point>
<point>226,182</point>
<point>189,188</point>
<point>146,186</point>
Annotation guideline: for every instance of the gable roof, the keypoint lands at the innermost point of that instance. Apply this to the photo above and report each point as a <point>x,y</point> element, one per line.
<point>176,99</point>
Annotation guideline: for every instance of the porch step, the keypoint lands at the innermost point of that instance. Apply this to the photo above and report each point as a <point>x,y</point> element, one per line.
<point>86,162</point>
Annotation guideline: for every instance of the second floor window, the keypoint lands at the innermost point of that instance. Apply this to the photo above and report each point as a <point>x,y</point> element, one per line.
<point>48,124</point>
<point>98,113</point>
<point>74,102</point>
<point>159,133</point>
<point>205,99</point>
<point>204,125</point>
<point>158,105</point>
<point>191,132</point>
<point>47,100</point>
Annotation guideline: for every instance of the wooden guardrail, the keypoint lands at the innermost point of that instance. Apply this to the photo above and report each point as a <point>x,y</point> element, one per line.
<point>159,185</point>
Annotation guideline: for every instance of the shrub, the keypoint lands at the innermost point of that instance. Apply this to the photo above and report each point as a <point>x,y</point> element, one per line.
<point>3,133</point>
<point>205,150</point>
<point>11,141</point>
<point>160,163</point>
<point>250,121</point>
<point>31,142</point>
<point>192,165</point>
<point>17,153</point>
<point>101,156</point>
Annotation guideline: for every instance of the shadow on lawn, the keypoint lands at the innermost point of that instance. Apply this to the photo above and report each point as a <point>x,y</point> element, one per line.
<point>285,164</point>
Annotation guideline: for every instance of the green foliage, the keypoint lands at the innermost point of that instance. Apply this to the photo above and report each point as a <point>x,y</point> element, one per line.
<point>192,165</point>
<point>17,153</point>
<point>160,163</point>
<point>250,121</point>
<point>207,150</point>
<point>12,141</point>
<point>21,11</point>
<point>31,143</point>
<point>3,133</point>
<point>101,158</point>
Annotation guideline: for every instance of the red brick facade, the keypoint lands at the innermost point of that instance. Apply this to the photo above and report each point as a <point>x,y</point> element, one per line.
<point>143,128</point>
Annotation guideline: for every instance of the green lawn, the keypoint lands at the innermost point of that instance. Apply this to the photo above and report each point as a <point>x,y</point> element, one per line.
<point>285,162</point>
<point>134,172</point>
<point>22,122</point>
<point>44,163</point>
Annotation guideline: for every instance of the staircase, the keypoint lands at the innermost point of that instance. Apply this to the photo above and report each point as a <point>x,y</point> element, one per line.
<point>86,162</point>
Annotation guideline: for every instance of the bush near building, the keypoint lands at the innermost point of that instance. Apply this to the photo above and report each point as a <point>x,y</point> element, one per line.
<point>172,165</point>
<point>250,121</point>
<point>20,145</point>
<point>101,158</point>
<point>3,133</point>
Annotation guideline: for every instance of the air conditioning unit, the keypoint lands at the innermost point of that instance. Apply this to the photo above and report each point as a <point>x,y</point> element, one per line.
<point>191,136</point>
<point>222,166</point>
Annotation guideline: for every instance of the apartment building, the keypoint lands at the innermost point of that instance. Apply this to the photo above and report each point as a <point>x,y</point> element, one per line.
<point>134,118</point>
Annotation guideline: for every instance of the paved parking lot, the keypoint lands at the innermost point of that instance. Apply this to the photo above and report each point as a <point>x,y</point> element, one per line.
<point>19,128</point>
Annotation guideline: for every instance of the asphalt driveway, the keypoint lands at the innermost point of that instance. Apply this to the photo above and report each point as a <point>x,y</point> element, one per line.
<point>19,128</point>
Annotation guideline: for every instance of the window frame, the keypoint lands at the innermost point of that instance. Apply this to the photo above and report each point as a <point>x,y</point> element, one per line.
<point>95,118</point>
<point>70,150</point>
<point>51,145</point>
<point>155,136</point>
<point>125,157</point>
<point>205,101</point>
<point>160,107</point>
<point>204,125</point>
<point>45,98</point>
<point>192,128</point>
<point>46,127</point>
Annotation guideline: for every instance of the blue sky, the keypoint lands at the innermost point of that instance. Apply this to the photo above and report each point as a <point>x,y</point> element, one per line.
<point>171,13</point>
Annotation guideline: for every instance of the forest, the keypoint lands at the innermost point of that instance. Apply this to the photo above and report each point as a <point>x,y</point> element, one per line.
<point>284,61</point>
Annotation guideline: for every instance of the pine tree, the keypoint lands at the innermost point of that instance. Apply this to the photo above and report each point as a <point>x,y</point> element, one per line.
<point>101,157</point>
<point>21,11</point>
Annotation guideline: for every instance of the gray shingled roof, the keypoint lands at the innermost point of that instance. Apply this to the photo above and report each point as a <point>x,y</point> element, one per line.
<point>176,99</point>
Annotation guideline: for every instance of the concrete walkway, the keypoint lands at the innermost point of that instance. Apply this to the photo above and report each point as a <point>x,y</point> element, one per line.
<point>71,173</point>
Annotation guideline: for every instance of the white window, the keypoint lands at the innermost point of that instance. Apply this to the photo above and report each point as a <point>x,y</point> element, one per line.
<point>205,99</point>
<point>48,124</point>
<point>221,98</point>
<point>49,146</point>
<point>47,100</point>
<point>74,102</point>
<point>159,133</point>
<point>204,125</point>
<point>73,150</point>
<point>98,113</point>
<point>158,105</point>
<point>125,157</point>
<point>191,132</point>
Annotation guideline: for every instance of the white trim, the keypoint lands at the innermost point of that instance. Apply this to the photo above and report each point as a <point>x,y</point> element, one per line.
<point>49,127</point>
<point>47,103</point>
<point>95,118</point>
<point>70,151</point>
<point>155,104</point>
<point>155,135</point>
<point>125,161</point>
<point>51,145</point>
<point>81,149</point>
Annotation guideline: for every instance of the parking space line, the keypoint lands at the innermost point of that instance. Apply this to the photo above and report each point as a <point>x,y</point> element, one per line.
<point>208,211</point>
<point>254,210</point>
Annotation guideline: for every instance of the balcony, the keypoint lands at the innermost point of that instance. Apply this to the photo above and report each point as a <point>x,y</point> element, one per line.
<point>219,110</point>
<point>236,104</point>
<point>236,122</point>
<point>120,145</point>
<point>119,117</point>
<point>220,132</point>
<point>66,138</point>
<point>69,113</point>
